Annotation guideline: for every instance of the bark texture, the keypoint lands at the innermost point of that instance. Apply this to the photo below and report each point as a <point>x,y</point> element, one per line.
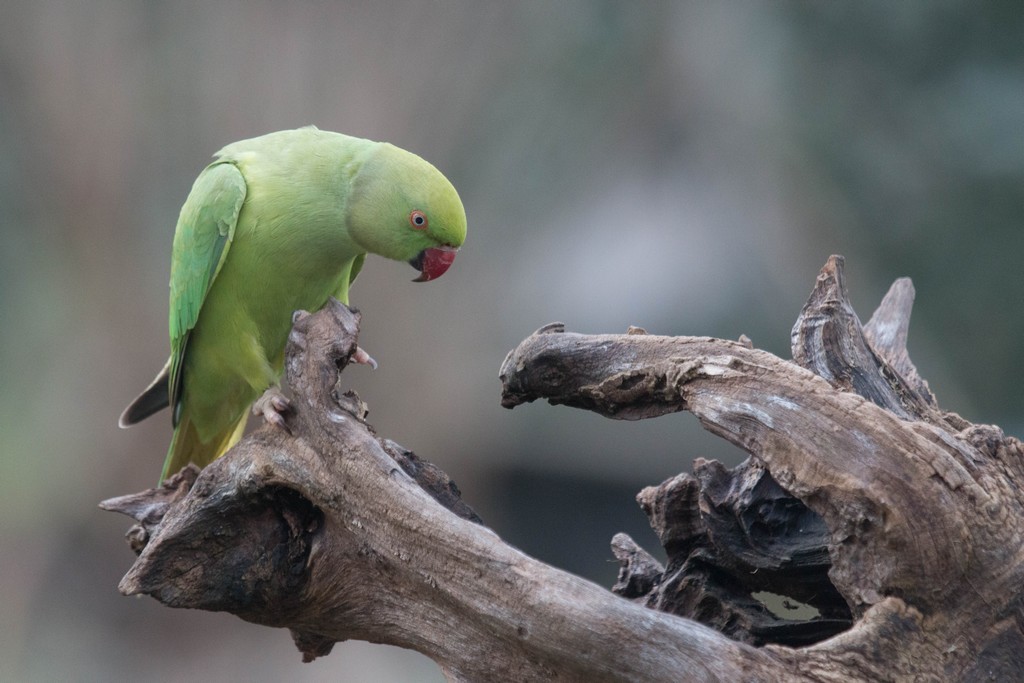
<point>870,536</point>
<point>919,511</point>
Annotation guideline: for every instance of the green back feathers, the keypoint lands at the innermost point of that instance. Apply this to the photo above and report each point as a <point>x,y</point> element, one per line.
<point>206,227</point>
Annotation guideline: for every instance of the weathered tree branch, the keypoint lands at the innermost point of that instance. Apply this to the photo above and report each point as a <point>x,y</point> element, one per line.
<point>896,525</point>
<point>321,531</point>
<point>923,514</point>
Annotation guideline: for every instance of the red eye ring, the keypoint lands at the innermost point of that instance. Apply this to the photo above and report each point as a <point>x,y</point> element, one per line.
<point>418,220</point>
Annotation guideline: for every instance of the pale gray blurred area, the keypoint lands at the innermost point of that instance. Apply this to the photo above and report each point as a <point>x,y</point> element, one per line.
<point>684,167</point>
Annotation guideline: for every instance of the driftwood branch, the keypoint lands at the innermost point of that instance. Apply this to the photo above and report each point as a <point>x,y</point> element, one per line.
<point>887,530</point>
<point>324,532</point>
<point>921,511</point>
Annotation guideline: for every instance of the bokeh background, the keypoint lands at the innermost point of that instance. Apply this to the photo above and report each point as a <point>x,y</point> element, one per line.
<point>685,167</point>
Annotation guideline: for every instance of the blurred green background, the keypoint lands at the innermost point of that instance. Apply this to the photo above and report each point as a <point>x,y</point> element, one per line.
<point>685,167</point>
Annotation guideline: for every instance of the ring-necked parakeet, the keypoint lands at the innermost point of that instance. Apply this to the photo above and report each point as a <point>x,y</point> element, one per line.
<point>274,224</point>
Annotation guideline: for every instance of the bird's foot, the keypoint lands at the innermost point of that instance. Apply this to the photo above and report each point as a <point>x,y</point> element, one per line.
<point>272,405</point>
<point>362,357</point>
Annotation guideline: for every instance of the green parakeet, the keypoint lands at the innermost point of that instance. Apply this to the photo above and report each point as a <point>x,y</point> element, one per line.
<point>278,223</point>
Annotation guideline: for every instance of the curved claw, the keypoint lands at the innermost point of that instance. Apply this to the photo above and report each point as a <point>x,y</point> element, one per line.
<point>272,405</point>
<point>362,357</point>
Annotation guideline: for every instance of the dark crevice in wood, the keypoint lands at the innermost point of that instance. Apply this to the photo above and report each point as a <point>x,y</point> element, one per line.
<point>730,535</point>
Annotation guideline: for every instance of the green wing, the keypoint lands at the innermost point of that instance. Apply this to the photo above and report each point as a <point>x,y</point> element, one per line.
<point>205,230</point>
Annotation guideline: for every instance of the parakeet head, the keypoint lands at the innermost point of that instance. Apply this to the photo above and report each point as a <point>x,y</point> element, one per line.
<point>403,208</point>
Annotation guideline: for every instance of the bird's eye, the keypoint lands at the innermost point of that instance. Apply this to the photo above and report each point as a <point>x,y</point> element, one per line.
<point>418,220</point>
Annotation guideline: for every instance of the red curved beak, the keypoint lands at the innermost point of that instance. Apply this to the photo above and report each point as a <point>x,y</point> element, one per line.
<point>433,262</point>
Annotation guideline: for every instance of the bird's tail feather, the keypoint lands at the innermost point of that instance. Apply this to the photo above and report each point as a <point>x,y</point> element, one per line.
<point>154,398</point>
<point>186,446</point>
